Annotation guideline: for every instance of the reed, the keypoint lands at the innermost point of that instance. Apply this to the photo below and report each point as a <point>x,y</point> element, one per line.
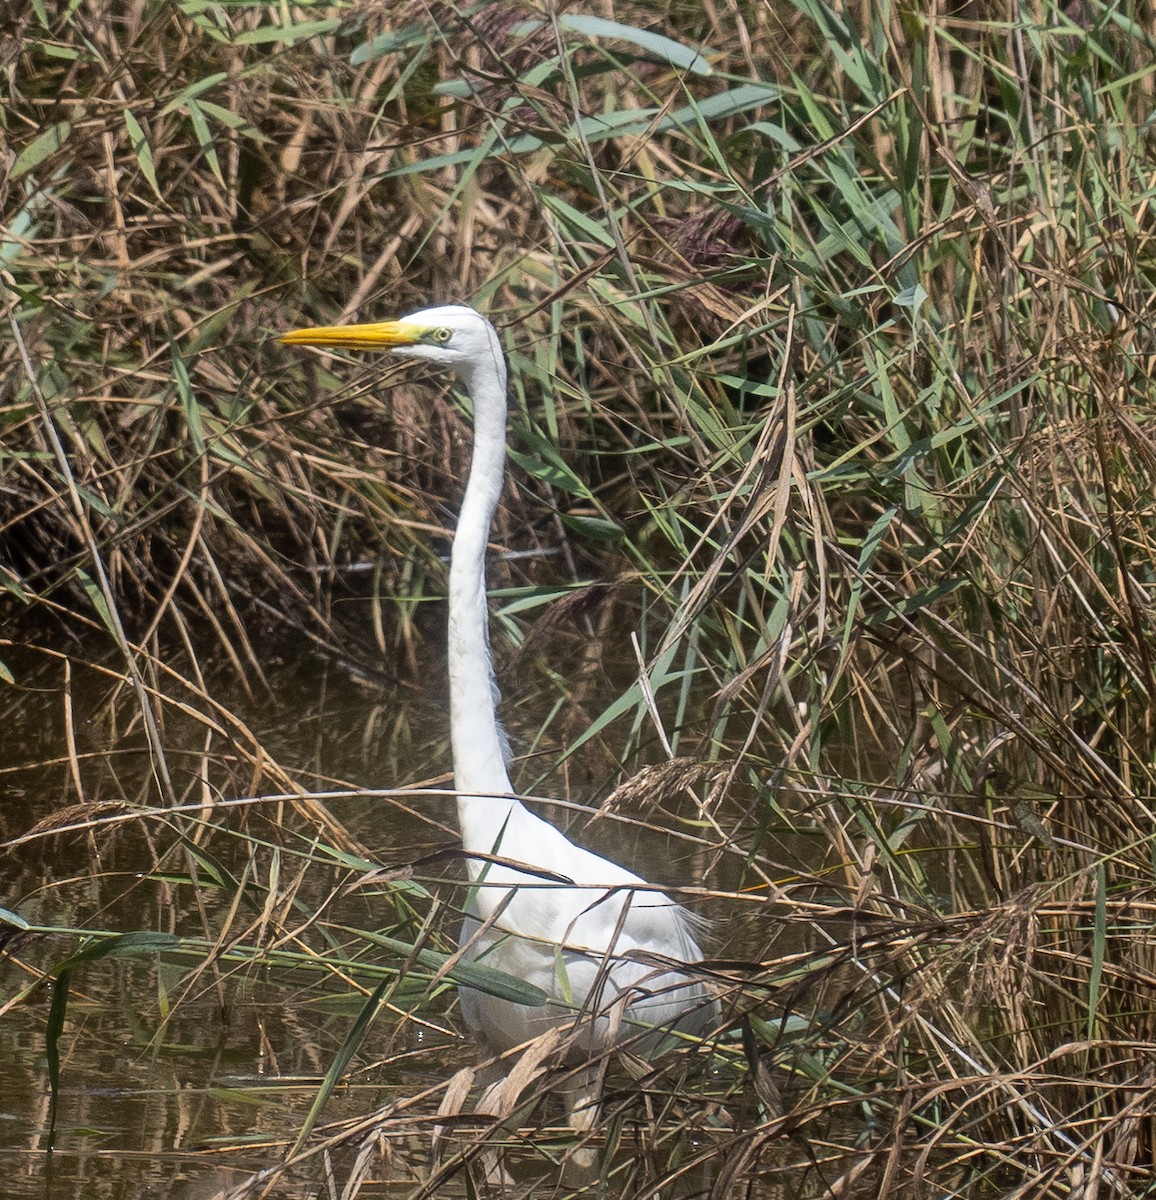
<point>831,381</point>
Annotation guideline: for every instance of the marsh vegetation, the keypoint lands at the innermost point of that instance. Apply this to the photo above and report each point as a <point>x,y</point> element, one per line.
<point>823,580</point>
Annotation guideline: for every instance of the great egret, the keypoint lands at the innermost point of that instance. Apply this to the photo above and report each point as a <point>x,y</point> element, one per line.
<point>596,938</point>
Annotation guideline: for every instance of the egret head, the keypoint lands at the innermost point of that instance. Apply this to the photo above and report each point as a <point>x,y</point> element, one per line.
<point>454,335</point>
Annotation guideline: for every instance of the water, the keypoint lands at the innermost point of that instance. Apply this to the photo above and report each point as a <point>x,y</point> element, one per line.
<point>184,1071</point>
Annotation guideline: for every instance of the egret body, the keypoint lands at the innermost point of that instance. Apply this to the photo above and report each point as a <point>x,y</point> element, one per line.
<point>582,933</point>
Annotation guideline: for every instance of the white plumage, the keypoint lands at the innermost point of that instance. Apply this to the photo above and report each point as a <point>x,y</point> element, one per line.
<point>575,940</point>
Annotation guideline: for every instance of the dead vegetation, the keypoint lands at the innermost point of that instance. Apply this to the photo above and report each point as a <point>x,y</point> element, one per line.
<point>832,382</point>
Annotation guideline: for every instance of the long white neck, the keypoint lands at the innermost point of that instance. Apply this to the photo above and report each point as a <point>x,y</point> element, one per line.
<point>480,774</point>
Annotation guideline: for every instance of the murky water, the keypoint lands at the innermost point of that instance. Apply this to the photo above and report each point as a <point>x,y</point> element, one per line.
<point>163,1058</point>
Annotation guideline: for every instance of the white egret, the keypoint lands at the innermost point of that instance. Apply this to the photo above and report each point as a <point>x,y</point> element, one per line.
<point>596,938</point>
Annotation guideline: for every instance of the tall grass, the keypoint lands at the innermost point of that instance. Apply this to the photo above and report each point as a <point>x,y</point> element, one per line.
<point>831,381</point>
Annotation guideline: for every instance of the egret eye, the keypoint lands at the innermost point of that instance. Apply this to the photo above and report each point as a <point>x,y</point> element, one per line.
<point>443,335</point>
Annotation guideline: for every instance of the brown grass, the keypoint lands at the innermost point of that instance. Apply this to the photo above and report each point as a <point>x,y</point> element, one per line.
<point>840,401</point>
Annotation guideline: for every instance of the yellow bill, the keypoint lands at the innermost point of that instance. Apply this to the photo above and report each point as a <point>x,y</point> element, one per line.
<point>381,335</point>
